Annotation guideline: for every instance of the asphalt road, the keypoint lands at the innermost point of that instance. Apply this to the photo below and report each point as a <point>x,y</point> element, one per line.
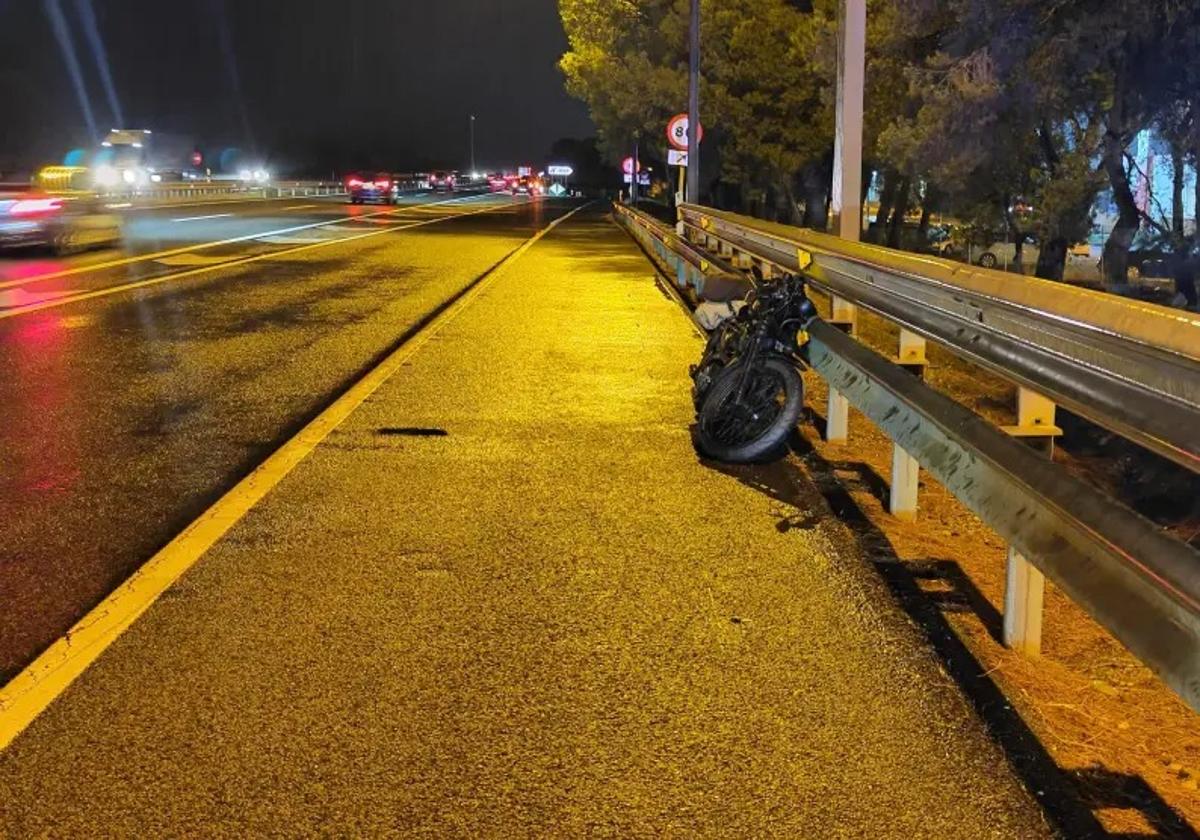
<point>139,384</point>
<point>503,597</point>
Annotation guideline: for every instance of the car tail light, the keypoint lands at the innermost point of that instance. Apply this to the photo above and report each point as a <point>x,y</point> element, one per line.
<point>35,206</point>
<point>355,182</point>
<point>383,185</point>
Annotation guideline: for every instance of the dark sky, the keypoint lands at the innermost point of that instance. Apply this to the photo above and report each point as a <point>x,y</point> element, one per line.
<point>306,83</point>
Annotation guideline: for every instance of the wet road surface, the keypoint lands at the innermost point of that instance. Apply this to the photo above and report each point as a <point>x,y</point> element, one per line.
<point>504,598</point>
<point>124,414</point>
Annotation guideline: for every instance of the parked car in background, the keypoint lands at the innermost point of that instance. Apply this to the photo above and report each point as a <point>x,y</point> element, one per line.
<point>1004,254</point>
<point>381,187</point>
<point>65,222</point>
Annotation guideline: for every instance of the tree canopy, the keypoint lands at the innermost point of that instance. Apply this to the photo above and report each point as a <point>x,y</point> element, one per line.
<point>1017,113</point>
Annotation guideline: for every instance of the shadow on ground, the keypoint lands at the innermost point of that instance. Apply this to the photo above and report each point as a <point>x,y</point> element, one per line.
<point>927,591</point>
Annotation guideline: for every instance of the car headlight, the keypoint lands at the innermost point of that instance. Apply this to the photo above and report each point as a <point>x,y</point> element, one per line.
<point>107,176</point>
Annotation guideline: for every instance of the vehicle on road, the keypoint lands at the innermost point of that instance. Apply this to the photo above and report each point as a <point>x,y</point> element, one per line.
<point>527,185</point>
<point>498,182</point>
<point>381,187</point>
<point>65,222</point>
<point>747,388</point>
<point>443,181</point>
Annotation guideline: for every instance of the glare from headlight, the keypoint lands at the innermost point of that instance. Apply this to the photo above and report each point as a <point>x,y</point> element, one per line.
<point>107,176</point>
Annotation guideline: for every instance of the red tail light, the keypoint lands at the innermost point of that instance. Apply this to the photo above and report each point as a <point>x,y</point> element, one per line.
<point>355,182</point>
<point>383,185</point>
<point>35,206</point>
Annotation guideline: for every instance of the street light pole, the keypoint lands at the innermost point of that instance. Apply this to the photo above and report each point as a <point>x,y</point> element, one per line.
<point>693,168</point>
<point>472,145</point>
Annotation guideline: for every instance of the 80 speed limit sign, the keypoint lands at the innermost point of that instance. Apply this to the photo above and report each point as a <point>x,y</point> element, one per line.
<point>677,130</point>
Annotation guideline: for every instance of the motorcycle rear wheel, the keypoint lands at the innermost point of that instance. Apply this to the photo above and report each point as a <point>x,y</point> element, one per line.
<point>754,427</point>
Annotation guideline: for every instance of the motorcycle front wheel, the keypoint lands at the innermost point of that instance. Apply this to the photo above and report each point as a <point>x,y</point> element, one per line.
<point>753,426</point>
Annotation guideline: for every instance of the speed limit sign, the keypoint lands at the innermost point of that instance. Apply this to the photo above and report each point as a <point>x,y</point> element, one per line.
<point>677,130</point>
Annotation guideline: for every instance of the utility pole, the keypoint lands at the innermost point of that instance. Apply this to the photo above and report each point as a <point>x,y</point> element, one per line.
<point>847,173</point>
<point>472,145</point>
<point>693,168</point>
<point>633,178</point>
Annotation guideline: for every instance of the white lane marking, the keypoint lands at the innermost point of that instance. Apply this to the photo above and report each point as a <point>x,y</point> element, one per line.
<point>202,218</point>
<point>48,676</point>
<point>83,269</point>
<point>300,207</point>
<point>231,263</point>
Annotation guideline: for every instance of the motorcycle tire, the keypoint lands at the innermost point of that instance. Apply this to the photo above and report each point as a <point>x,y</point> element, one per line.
<point>755,429</point>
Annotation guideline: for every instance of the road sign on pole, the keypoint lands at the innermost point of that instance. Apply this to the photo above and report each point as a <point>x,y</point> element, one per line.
<point>675,157</point>
<point>677,132</point>
<point>627,166</point>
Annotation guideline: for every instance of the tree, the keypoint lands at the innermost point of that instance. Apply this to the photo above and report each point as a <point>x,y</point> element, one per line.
<point>767,103</point>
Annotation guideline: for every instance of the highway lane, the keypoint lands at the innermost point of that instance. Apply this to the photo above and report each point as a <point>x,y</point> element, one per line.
<point>161,239</point>
<point>123,416</point>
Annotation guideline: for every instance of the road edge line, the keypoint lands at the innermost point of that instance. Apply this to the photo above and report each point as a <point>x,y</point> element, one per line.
<point>40,683</point>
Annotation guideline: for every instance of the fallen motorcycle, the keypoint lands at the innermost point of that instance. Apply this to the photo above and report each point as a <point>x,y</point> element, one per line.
<point>746,388</point>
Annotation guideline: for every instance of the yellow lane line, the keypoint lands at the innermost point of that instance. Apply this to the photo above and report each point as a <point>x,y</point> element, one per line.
<point>232,263</point>
<point>48,676</point>
<point>83,269</point>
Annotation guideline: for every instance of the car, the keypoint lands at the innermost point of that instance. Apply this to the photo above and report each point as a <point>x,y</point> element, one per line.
<point>1002,254</point>
<point>382,187</point>
<point>497,183</point>
<point>527,185</point>
<point>443,181</point>
<point>65,222</point>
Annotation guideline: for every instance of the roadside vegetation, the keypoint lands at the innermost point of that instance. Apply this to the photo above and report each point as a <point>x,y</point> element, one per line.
<point>1017,119</point>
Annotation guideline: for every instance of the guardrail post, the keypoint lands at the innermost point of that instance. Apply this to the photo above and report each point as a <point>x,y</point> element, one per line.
<point>1024,583</point>
<point>911,355</point>
<point>906,477</point>
<point>844,315</point>
<point>906,470</point>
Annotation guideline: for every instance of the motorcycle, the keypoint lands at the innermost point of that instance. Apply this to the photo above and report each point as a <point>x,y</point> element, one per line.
<point>747,389</point>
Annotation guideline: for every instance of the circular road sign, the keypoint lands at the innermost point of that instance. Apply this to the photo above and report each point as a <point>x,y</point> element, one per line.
<point>677,130</point>
<point>627,165</point>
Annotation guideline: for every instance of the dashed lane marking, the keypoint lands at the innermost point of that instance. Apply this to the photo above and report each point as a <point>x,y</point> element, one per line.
<point>42,303</point>
<point>36,687</point>
<point>157,255</point>
<point>203,218</point>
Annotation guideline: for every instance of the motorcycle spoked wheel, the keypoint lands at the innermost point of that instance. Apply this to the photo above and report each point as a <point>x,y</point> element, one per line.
<point>756,426</point>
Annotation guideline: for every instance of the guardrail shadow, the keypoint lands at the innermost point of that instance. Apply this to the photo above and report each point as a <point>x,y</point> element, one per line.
<point>1070,804</point>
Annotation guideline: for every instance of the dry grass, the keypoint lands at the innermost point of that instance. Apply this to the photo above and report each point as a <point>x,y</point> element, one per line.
<point>1130,747</point>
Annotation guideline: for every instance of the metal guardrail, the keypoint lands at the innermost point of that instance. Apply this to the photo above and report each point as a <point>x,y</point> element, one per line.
<point>1131,367</point>
<point>1140,583</point>
<point>690,267</point>
<point>199,189</point>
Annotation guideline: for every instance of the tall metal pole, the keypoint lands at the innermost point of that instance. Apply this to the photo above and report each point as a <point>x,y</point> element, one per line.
<point>472,145</point>
<point>847,171</point>
<point>693,169</point>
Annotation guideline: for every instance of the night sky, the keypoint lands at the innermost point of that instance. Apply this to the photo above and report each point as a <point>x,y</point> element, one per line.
<point>304,84</point>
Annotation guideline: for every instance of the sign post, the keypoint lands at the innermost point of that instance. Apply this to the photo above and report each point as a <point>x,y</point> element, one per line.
<point>694,131</point>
